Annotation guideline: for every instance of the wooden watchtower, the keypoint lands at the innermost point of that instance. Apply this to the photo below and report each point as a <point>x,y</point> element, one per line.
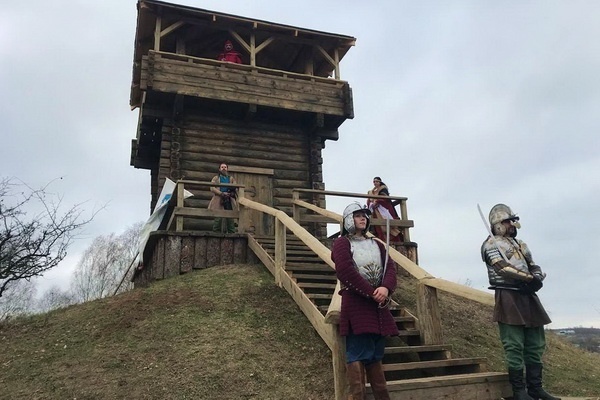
<point>268,117</point>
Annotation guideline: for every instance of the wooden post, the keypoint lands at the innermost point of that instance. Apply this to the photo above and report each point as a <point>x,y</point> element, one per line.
<point>404,216</point>
<point>253,49</point>
<point>180,195</point>
<point>280,256</point>
<point>295,207</point>
<point>338,354</point>
<point>428,313</point>
<point>242,214</point>
<point>157,30</point>
<point>336,58</point>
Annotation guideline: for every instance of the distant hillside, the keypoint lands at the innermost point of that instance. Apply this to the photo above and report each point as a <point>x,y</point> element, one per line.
<point>220,333</point>
<point>584,338</point>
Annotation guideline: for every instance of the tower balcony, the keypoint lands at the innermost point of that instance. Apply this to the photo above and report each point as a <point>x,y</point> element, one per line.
<point>202,78</point>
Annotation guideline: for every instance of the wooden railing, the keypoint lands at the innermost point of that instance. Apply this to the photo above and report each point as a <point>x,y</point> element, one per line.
<point>329,217</point>
<point>328,332</point>
<point>180,211</point>
<point>246,67</point>
<point>428,312</point>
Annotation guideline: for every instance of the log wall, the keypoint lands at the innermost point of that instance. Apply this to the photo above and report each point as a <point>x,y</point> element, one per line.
<point>193,147</point>
<point>169,254</point>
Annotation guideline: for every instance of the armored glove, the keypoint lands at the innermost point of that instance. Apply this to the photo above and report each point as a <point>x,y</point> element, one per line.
<point>534,285</point>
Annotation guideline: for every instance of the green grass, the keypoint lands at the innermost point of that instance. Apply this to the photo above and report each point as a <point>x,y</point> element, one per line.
<point>468,327</point>
<point>221,333</point>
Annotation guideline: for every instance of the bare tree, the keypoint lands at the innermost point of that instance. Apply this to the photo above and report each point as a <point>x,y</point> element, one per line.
<point>54,298</point>
<point>18,299</point>
<point>130,242</point>
<point>31,245</point>
<point>103,264</point>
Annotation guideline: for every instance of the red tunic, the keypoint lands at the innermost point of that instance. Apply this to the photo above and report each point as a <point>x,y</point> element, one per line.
<point>396,235</point>
<point>230,56</point>
<point>360,313</point>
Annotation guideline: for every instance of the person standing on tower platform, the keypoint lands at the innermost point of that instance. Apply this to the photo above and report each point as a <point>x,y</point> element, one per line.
<point>515,278</point>
<point>229,54</point>
<point>224,198</point>
<point>383,208</point>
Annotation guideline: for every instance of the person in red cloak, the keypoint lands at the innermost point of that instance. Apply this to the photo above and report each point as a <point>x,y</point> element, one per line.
<point>383,208</point>
<point>229,54</point>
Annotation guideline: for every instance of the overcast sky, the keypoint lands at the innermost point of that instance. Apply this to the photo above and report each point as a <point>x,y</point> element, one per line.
<point>456,103</point>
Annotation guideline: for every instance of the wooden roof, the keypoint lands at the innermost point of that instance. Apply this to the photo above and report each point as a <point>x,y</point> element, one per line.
<point>204,32</point>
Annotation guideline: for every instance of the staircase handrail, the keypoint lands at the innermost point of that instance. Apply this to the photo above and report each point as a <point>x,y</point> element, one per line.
<point>309,240</point>
<point>329,333</point>
<point>407,264</point>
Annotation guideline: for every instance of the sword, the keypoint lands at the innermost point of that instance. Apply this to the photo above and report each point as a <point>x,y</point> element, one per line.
<point>388,300</point>
<point>491,234</point>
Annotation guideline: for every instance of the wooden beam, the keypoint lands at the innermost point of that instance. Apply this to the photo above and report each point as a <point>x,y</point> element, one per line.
<point>350,194</point>
<point>157,33</point>
<point>335,306</point>
<point>239,39</point>
<point>171,28</point>
<point>326,55</point>
<point>317,122</point>
<point>253,49</point>
<point>180,199</point>
<point>264,44</point>
<point>313,243</point>
<point>267,71</point>
<point>338,358</point>
<point>336,59</point>
<point>461,290</point>
<point>251,170</point>
<point>428,313</point>
<point>250,112</point>
<point>280,254</point>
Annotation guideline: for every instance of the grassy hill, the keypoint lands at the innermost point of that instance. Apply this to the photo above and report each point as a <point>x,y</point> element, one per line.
<point>220,333</point>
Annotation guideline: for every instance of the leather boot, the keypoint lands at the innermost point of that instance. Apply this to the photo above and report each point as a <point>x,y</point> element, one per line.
<point>515,377</point>
<point>533,373</point>
<point>376,378</point>
<point>356,381</point>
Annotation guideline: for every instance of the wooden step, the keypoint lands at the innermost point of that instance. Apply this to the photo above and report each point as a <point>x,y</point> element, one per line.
<point>293,240</point>
<point>307,285</point>
<point>296,248</point>
<point>313,277</point>
<point>304,260</point>
<point>434,364</point>
<point>474,386</point>
<point>320,296</point>
<point>406,333</point>
<point>417,349</point>
<point>404,319</point>
<point>404,354</point>
<point>422,369</point>
<point>308,267</point>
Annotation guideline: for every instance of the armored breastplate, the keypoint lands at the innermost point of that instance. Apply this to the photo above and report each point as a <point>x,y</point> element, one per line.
<point>367,260</point>
<point>515,254</point>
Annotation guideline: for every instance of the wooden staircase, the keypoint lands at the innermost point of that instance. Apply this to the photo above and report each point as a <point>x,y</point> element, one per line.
<point>413,370</point>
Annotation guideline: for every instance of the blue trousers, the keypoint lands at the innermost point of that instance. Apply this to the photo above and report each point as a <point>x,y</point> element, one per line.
<point>368,348</point>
